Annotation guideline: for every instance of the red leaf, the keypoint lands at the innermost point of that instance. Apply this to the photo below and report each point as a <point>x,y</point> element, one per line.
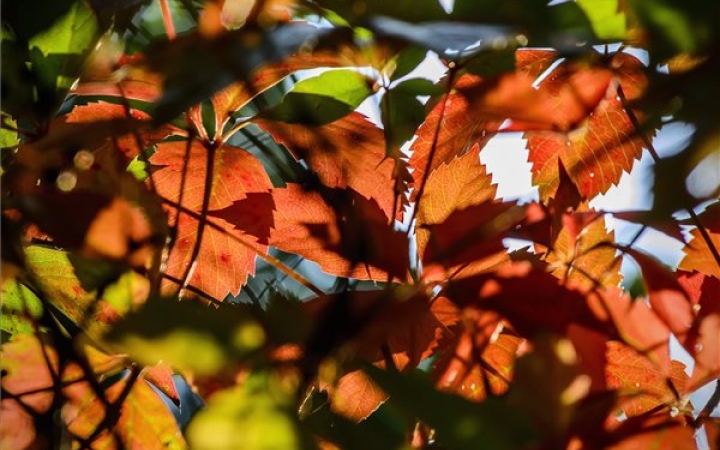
<point>161,376</point>
<point>223,263</point>
<point>657,431</point>
<point>703,343</point>
<point>472,113</point>
<point>698,253</point>
<point>643,383</point>
<point>604,145</point>
<point>457,127</point>
<point>356,396</point>
<point>344,233</point>
<point>349,152</point>
<point>582,252</point>
<point>666,295</point>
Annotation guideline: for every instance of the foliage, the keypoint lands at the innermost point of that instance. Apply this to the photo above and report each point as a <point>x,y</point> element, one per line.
<point>170,170</point>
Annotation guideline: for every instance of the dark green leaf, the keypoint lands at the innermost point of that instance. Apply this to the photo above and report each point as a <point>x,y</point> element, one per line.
<point>401,113</point>
<point>490,424</point>
<point>407,61</point>
<point>58,53</point>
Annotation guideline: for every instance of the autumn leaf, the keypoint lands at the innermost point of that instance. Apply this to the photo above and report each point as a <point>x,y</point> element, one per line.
<point>657,431</point>
<point>582,252</point>
<point>143,419</point>
<point>343,232</point>
<point>446,224</point>
<point>349,152</point>
<point>703,341</point>
<point>161,377</point>
<point>644,386</point>
<point>604,142</point>
<point>224,259</point>
<point>356,396</point>
<point>699,254</point>
<point>450,130</point>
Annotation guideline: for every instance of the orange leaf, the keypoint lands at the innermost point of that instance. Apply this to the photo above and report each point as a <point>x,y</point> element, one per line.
<point>356,396</point>
<point>635,376</point>
<point>161,376</point>
<point>698,254</point>
<point>349,152</point>
<point>703,342</point>
<point>458,130</point>
<point>596,153</point>
<point>346,234</point>
<point>223,263</point>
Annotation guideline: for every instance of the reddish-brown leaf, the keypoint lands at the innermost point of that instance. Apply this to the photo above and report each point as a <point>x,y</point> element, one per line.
<point>582,253</point>
<point>349,152</point>
<point>346,234</point>
<point>457,222</point>
<point>698,253</point>
<point>356,396</point>
<point>457,128</point>
<point>657,431</point>
<point>667,297</point>
<point>137,83</point>
<point>161,376</point>
<point>703,342</point>
<point>223,263</point>
<point>599,149</point>
<point>472,113</point>
<point>642,383</point>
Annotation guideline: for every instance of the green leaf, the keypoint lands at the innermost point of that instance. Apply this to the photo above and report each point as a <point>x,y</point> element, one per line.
<point>189,336</point>
<point>490,424</point>
<point>402,113</point>
<point>58,52</point>
<point>407,10</point>
<point>605,17</point>
<point>255,416</point>
<point>20,308</point>
<point>322,99</point>
<point>407,61</point>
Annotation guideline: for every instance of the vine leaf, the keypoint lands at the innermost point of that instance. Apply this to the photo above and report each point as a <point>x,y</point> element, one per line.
<point>459,130</point>
<point>703,341</point>
<point>321,99</point>
<point>698,254</point>
<point>345,233</point>
<point>349,152</point>
<point>223,263</point>
<point>598,149</point>
<point>460,183</point>
<point>643,384</point>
